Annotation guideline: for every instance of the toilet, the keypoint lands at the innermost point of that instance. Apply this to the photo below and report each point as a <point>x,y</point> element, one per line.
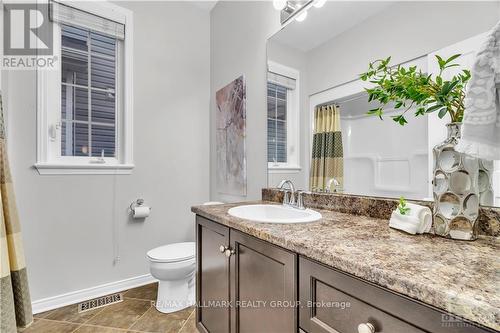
<point>174,266</point>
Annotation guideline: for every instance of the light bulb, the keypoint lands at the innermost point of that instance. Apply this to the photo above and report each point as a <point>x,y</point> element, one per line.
<point>319,3</point>
<point>279,4</point>
<point>302,16</point>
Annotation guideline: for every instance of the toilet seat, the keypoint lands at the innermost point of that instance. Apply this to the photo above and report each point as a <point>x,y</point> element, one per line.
<point>176,252</point>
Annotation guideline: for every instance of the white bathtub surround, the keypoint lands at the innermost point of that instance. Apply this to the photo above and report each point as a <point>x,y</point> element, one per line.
<point>418,220</point>
<point>481,123</point>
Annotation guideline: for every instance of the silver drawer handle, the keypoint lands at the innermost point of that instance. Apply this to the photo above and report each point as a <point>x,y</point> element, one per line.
<point>366,328</point>
<point>222,249</point>
<point>229,252</point>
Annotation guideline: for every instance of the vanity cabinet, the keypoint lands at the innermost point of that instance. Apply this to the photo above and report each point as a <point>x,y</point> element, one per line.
<point>243,284</point>
<point>212,277</point>
<point>263,286</point>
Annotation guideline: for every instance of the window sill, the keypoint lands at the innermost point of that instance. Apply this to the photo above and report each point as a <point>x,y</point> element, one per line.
<point>83,169</point>
<point>284,169</point>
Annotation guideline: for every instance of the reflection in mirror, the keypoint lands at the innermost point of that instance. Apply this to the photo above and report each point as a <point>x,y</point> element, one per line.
<point>320,134</point>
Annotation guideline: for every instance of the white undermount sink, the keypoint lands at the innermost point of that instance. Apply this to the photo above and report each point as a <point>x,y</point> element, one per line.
<point>274,214</point>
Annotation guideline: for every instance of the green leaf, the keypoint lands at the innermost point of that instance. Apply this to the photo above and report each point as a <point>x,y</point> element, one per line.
<point>400,120</point>
<point>433,108</point>
<point>377,112</point>
<point>403,209</point>
<point>420,111</point>
<point>448,86</point>
<point>442,112</point>
<point>453,57</point>
<point>441,62</point>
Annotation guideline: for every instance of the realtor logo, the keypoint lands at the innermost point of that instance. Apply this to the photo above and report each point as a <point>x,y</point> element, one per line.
<point>27,30</point>
<point>27,37</point>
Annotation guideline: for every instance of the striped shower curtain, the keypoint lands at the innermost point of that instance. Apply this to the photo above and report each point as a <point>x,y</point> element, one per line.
<point>327,151</point>
<point>15,302</point>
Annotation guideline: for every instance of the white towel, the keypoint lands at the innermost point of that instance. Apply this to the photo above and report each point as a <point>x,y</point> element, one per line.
<point>417,221</point>
<point>424,215</point>
<point>481,123</point>
<point>407,223</point>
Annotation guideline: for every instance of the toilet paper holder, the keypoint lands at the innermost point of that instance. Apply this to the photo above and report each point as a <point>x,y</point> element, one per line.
<point>137,203</point>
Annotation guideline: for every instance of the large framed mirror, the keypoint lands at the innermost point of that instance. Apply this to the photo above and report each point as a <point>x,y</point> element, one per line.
<point>319,132</point>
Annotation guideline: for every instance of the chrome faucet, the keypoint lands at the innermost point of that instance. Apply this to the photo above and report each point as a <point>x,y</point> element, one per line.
<point>290,200</point>
<point>300,200</point>
<point>333,181</point>
<point>287,200</point>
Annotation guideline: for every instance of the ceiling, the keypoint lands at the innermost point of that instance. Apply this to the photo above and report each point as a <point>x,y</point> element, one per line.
<point>327,22</point>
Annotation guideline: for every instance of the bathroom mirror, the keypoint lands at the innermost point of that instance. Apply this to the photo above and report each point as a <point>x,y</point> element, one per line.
<point>317,105</point>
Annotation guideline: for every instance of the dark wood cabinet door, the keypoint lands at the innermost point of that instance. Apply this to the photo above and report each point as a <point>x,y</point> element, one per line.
<point>263,286</point>
<point>212,277</point>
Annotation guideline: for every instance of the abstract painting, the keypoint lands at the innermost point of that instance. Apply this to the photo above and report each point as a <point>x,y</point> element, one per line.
<point>230,138</point>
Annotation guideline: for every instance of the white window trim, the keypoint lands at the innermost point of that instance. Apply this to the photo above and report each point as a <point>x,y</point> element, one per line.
<point>82,166</point>
<point>293,120</point>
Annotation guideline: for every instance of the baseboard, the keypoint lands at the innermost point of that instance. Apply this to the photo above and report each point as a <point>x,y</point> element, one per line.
<point>73,297</point>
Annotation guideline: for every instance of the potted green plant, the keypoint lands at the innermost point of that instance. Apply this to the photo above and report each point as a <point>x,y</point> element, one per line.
<point>409,89</point>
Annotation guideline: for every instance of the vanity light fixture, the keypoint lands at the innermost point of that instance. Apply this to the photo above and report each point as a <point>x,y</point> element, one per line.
<point>279,4</point>
<point>295,8</point>
<point>302,16</point>
<point>319,3</point>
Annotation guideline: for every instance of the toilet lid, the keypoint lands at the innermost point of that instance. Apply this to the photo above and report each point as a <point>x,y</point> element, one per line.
<point>173,252</point>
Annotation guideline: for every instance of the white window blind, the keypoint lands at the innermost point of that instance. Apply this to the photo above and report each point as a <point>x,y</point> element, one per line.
<point>64,14</point>
<point>281,80</point>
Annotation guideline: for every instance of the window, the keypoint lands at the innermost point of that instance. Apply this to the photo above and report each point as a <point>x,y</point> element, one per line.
<point>85,106</point>
<point>282,117</point>
<point>276,123</point>
<point>88,104</point>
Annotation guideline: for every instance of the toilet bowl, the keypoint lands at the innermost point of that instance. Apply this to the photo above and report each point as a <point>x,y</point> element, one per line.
<point>174,266</point>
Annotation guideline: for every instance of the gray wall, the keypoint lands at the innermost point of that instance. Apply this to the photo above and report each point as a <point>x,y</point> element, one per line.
<point>67,221</point>
<point>238,32</point>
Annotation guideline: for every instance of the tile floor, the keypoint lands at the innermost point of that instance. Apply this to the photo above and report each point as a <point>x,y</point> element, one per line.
<point>135,313</point>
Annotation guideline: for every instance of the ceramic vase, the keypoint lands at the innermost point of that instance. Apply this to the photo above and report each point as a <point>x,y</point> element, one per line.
<point>456,189</point>
<point>485,183</point>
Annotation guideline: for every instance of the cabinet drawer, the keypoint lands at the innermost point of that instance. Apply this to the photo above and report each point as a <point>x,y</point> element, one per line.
<point>335,302</point>
<point>334,311</point>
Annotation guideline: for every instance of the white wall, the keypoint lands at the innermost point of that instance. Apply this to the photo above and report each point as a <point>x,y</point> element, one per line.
<point>405,31</point>
<point>67,221</point>
<point>238,32</point>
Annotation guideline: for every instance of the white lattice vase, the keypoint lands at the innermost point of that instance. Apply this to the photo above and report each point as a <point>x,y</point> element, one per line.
<point>456,189</point>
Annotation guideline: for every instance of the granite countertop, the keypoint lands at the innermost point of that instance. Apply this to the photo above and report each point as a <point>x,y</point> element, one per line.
<point>462,278</point>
